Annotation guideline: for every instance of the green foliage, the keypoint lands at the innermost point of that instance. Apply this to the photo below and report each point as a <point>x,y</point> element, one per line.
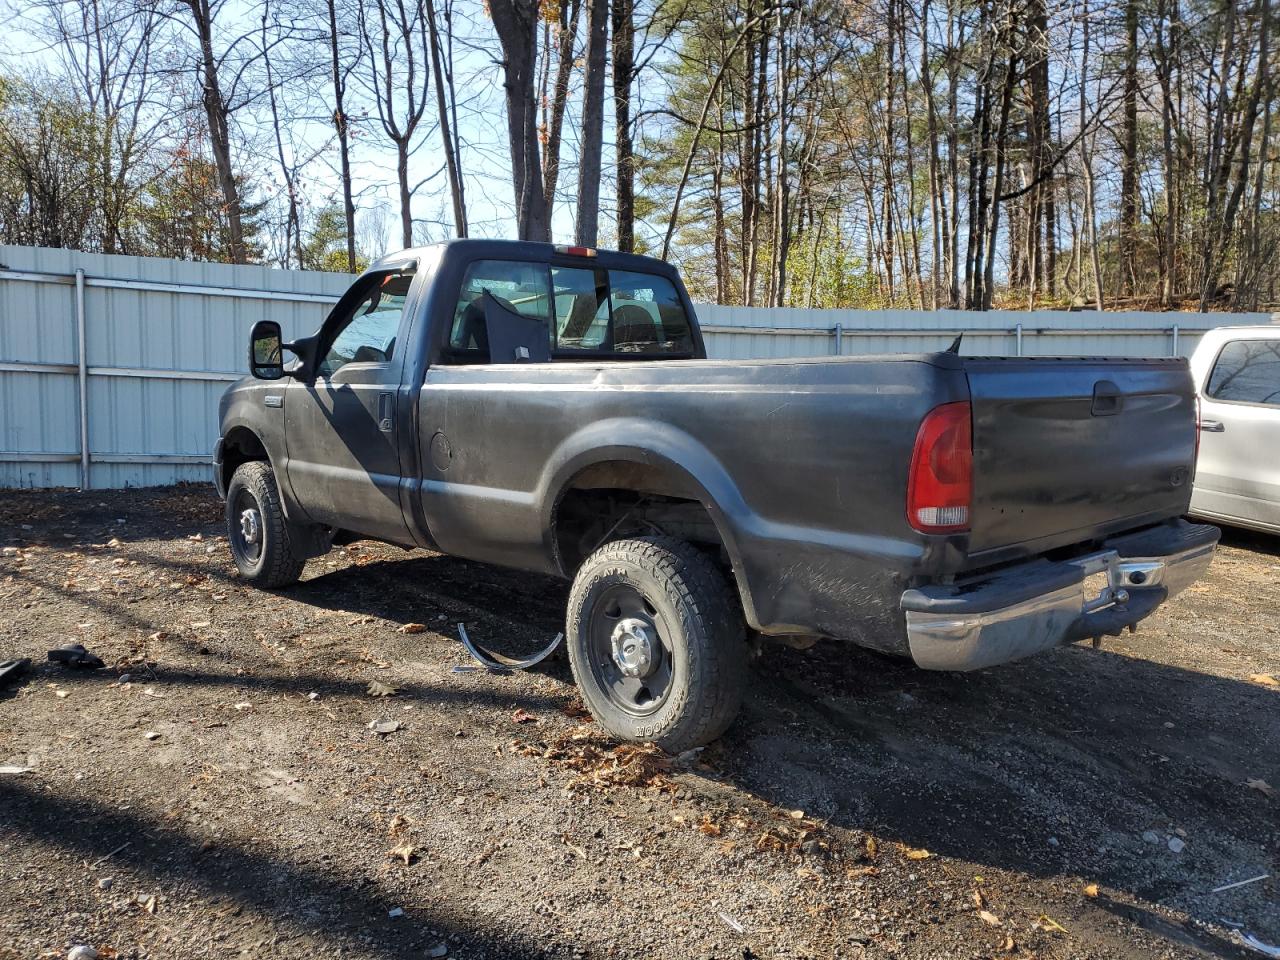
<point>46,157</point>
<point>181,213</point>
<point>59,173</point>
<point>326,247</point>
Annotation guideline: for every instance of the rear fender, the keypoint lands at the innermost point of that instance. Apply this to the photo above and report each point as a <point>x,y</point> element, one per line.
<point>676,453</point>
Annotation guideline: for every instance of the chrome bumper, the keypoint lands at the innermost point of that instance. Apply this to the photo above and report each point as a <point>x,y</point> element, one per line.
<point>1100,594</point>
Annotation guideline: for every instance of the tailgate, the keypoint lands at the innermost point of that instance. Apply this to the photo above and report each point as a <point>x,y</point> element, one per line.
<point>1066,450</point>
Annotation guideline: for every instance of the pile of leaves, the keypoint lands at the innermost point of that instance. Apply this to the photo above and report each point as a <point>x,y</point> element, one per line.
<point>603,765</point>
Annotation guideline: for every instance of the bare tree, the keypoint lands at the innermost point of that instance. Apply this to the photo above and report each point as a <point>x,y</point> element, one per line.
<point>590,168</point>
<point>516,22</point>
<point>395,38</point>
<point>447,110</point>
<point>339,76</point>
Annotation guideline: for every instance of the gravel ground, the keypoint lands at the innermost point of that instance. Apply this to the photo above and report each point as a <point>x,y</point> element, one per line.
<point>217,790</point>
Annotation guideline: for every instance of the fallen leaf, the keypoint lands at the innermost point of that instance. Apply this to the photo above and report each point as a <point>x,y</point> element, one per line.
<point>523,716</point>
<point>1048,923</point>
<point>986,916</point>
<point>1264,788</point>
<point>796,814</point>
<point>1091,890</point>
<point>379,689</point>
<point>979,900</point>
<point>1266,679</point>
<point>873,848</point>
<point>708,827</point>
<point>921,854</point>
<point>1009,945</point>
<point>405,852</point>
<point>413,628</point>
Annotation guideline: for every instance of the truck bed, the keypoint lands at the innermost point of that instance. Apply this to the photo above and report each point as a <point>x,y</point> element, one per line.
<point>804,463</point>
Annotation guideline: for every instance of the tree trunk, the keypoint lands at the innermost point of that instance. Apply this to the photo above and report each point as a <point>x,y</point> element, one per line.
<point>568,37</point>
<point>448,138</point>
<point>1129,154</point>
<point>588,220</point>
<point>343,130</point>
<point>623,74</point>
<point>516,22</point>
<point>215,109</point>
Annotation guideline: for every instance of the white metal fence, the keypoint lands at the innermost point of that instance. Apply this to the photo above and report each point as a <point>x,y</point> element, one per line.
<point>111,367</point>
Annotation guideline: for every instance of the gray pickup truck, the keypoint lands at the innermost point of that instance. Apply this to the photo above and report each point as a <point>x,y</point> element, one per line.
<point>552,409</point>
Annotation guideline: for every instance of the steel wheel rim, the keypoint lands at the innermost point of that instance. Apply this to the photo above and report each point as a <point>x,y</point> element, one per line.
<point>247,531</point>
<point>629,650</point>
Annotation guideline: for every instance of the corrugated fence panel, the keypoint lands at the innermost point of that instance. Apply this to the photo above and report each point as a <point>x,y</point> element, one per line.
<point>165,337</point>
<point>755,332</point>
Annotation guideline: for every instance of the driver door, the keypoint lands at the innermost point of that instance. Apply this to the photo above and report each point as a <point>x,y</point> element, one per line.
<point>341,428</point>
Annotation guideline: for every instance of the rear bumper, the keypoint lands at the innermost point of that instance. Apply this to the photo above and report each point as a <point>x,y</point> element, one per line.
<point>1029,608</point>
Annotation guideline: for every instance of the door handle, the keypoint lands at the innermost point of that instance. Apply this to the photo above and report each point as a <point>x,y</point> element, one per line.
<point>384,412</point>
<point>1212,426</point>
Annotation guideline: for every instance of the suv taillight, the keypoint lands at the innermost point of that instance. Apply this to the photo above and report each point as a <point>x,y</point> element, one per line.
<point>1195,451</point>
<point>940,486</point>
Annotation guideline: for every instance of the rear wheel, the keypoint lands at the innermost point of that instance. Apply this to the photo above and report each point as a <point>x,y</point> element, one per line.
<point>257,529</point>
<point>656,642</point>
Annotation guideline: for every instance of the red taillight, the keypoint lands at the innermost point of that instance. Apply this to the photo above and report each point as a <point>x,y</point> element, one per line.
<point>940,486</point>
<point>576,251</point>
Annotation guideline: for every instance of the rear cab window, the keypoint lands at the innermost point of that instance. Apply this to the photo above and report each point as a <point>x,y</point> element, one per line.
<point>1246,371</point>
<point>591,312</point>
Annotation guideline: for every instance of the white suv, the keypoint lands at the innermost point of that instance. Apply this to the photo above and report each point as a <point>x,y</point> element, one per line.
<point>1237,374</point>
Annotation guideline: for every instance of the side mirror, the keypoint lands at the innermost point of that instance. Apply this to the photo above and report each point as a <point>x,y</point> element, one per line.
<point>266,357</point>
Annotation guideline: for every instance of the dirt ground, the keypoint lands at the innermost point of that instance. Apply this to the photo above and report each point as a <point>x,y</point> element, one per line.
<point>217,790</point>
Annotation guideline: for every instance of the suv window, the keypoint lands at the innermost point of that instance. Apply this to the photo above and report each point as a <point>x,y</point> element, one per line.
<point>1247,371</point>
<point>522,287</point>
<point>368,333</point>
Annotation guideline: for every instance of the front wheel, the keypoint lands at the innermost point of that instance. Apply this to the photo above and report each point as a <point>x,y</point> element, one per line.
<point>656,642</point>
<point>257,528</point>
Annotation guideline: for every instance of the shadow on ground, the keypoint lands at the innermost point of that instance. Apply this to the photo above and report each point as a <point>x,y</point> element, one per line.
<point>309,901</point>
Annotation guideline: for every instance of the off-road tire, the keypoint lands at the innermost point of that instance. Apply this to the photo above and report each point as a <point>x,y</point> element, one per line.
<point>707,647</point>
<point>278,563</point>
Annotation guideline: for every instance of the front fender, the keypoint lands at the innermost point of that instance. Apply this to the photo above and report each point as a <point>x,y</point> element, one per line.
<point>243,410</point>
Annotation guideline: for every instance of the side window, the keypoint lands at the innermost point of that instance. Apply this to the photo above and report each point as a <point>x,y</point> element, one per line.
<point>1247,371</point>
<point>368,333</point>
<point>582,308</point>
<point>648,316</point>
<point>521,287</point>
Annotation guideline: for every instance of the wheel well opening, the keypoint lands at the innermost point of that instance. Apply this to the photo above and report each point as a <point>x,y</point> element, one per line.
<point>239,446</point>
<point>618,499</point>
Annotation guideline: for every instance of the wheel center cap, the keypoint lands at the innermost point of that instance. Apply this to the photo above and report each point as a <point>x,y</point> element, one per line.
<point>250,526</point>
<point>632,641</point>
